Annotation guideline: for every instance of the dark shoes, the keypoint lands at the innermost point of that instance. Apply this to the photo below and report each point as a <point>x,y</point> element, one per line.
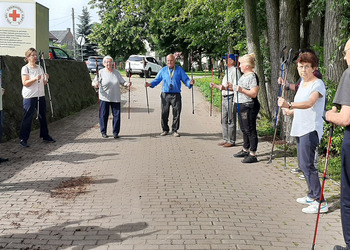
<point>3,160</point>
<point>49,139</point>
<point>250,159</point>
<point>24,143</point>
<point>104,136</point>
<point>116,136</point>
<point>339,248</point>
<point>241,153</point>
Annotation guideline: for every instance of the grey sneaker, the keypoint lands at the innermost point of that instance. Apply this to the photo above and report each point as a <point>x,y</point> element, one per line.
<point>164,133</point>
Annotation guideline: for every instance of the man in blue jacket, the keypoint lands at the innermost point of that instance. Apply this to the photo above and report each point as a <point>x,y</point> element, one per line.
<point>171,76</point>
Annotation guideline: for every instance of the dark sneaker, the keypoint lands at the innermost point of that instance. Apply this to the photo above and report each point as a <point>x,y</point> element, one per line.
<point>3,160</point>
<point>104,136</point>
<point>336,247</point>
<point>250,159</point>
<point>49,139</point>
<point>241,153</point>
<point>116,136</point>
<point>24,143</point>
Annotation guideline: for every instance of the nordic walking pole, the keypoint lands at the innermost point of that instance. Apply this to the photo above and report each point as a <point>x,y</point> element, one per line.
<point>1,65</point>
<point>211,90</point>
<point>144,73</point>
<point>129,94</point>
<point>282,73</point>
<point>97,90</point>
<point>37,110</point>
<point>221,95</point>
<point>228,94</point>
<point>289,60</point>
<point>192,85</point>
<point>47,84</point>
<point>236,62</point>
<point>323,183</point>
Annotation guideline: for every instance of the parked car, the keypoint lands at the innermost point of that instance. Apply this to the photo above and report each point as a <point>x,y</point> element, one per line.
<point>91,63</point>
<point>152,67</point>
<point>58,53</point>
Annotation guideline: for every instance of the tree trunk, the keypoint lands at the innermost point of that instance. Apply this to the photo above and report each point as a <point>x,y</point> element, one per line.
<point>333,59</point>
<point>253,42</point>
<point>304,24</point>
<point>290,37</point>
<point>316,26</point>
<point>185,55</point>
<point>272,10</point>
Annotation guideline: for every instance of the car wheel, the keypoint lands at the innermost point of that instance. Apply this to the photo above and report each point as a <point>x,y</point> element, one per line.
<point>141,75</point>
<point>128,74</point>
<point>149,72</point>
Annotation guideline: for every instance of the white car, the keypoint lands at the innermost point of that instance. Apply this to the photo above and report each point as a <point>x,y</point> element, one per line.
<point>134,66</point>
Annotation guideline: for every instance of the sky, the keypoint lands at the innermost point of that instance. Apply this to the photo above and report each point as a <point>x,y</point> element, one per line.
<point>60,13</point>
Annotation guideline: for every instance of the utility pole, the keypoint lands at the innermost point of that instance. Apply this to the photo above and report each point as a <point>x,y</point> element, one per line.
<point>73,34</point>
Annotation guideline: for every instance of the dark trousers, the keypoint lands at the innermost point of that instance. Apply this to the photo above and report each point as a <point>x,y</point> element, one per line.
<point>345,187</point>
<point>30,106</point>
<point>174,100</point>
<point>306,146</point>
<point>104,113</point>
<point>1,124</point>
<point>247,121</point>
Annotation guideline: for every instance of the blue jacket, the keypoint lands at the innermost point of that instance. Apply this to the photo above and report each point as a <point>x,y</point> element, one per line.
<point>178,76</point>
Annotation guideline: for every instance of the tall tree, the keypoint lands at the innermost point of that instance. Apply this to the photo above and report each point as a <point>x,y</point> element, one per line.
<point>335,66</point>
<point>84,27</point>
<point>272,12</point>
<point>253,43</point>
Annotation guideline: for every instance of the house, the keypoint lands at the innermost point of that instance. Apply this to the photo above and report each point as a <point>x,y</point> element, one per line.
<point>52,38</point>
<point>63,37</point>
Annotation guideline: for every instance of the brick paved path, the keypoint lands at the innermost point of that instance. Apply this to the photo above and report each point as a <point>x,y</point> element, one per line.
<point>153,192</point>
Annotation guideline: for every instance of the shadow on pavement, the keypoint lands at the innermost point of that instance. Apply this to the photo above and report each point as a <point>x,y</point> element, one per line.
<point>61,236</point>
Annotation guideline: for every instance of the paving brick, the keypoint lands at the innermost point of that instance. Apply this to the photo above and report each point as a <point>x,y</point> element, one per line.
<point>153,192</point>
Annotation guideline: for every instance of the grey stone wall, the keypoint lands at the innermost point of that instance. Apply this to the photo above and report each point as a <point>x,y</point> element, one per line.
<point>70,87</point>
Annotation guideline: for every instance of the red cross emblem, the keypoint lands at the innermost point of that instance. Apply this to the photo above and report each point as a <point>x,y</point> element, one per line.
<point>14,15</point>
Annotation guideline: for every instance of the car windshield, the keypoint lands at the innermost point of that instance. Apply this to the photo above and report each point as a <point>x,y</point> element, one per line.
<point>135,58</point>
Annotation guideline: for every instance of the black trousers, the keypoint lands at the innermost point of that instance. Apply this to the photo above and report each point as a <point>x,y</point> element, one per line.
<point>174,100</point>
<point>345,187</point>
<point>248,113</point>
<point>30,105</point>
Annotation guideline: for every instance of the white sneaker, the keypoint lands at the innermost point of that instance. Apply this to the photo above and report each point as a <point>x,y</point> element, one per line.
<point>164,133</point>
<point>307,201</point>
<point>313,209</point>
<point>176,134</point>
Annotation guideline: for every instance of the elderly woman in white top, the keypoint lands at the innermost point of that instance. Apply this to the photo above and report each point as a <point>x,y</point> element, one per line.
<point>307,127</point>
<point>108,81</point>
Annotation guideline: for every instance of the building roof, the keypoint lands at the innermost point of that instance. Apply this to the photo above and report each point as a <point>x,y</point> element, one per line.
<point>52,37</point>
<point>61,34</point>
